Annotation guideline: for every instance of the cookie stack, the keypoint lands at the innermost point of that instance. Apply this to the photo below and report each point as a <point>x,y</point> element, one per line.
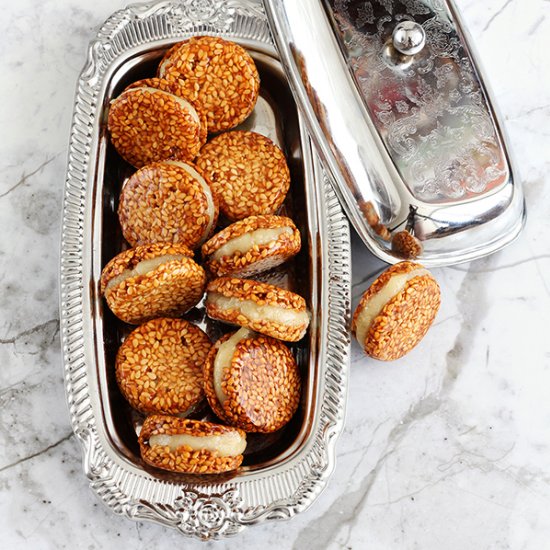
<point>200,216</point>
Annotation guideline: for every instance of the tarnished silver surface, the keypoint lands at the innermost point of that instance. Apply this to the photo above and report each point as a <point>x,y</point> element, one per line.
<point>413,138</point>
<point>282,474</point>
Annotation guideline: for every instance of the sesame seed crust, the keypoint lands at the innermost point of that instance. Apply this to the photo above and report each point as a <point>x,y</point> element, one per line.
<point>174,87</point>
<point>170,290</point>
<point>258,258</point>
<point>262,384</point>
<point>248,172</point>
<point>128,259</point>
<point>162,202</point>
<point>405,319</point>
<point>185,459</point>
<point>261,294</point>
<point>159,366</point>
<point>148,126</point>
<point>218,74</point>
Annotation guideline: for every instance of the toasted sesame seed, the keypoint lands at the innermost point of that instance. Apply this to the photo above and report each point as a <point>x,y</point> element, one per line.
<point>262,385</point>
<point>405,319</point>
<point>159,366</point>
<point>261,294</point>
<point>248,172</point>
<point>255,260</point>
<point>169,290</point>
<point>147,126</point>
<point>218,74</point>
<point>164,202</point>
<point>185,459</point>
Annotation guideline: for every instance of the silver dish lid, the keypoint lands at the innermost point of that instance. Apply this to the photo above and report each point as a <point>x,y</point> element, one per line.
<point>397,107</point>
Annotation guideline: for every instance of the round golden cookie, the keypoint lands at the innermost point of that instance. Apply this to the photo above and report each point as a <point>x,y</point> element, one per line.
<point>154,280</point>
<point>148,124</point>
<point>177,90</point>
<point>262,307</point>
<point>218,74</point>
<point>248,172</point>
<point>190,446</point>
<point>159,366</point>
<point>257,380</point>
<point>168,201</point>
<point>251,246</point>
<point>396,311</point>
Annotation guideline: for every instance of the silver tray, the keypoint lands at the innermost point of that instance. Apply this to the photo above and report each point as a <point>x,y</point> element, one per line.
<point>285,476</point>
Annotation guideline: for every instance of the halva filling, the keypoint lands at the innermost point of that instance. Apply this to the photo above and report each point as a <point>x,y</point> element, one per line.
<point>256,312</point>
<point>142,268</point>
<point>243,243</point>
<point>226,444</point>
<point>377,302</point>
<point>223,359</point>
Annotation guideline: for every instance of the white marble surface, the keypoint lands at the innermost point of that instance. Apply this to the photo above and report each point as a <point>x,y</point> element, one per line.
<point>446,449</point>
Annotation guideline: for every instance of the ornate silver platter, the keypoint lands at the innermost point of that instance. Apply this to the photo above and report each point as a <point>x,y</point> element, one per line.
<point>280,477</point>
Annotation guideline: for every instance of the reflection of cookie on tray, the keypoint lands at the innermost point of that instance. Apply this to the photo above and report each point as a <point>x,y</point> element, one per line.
<point>259,306</point>
<point>190,446</point>
<point>252,381</point>
<point>168,201</point>
<point>396,311</point>
<point>159,366</point>
<point>219,75</point>
<point>149,123</point>
<point>247,171</point>
<point>251,246</point>
<point>155,280</point>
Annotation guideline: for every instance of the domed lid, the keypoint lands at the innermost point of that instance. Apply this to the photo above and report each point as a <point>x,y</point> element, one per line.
<point>397,107</point>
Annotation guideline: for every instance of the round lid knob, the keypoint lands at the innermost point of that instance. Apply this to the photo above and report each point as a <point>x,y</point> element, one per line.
<point>409,37</point>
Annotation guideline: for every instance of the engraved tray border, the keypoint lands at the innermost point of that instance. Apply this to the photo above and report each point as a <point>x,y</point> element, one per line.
<point>213,510</point>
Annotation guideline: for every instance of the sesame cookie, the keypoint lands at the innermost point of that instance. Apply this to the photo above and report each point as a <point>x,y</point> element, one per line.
<point>252,381</point>
<point>248,172</point>
<point>154,280</point>
<point>148,124</point>
<point>174,88</point>
<point>251,246</point>
<point>168,201</point>
<point>190,446</point>
<point>262,307</point>
<point>396,311</point>
<point>159,366</point>
<point>217,74</point>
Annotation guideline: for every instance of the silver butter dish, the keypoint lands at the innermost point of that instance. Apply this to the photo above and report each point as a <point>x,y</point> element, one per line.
<point>282,474</point>
<point>398,109</point>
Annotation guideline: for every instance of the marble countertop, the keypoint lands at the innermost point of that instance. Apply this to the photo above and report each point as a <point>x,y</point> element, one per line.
<point>447,448</point>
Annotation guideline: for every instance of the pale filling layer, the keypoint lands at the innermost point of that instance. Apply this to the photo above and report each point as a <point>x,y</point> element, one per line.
<point>243,243</point>
<point>185,104</point>
<point>256,312</point>
<point>376,304</point>
<point>142,268</point>
<point>211,209</point>
<point>162,67</point>
<point>223,359</point>
<point>227,444</point>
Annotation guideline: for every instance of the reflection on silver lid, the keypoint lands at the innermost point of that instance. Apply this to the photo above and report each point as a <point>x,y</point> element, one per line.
<point>399,111</point>
<point>429,110</point>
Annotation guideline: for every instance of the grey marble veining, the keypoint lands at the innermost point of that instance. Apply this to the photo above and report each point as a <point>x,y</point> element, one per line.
<point>447,448</point>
